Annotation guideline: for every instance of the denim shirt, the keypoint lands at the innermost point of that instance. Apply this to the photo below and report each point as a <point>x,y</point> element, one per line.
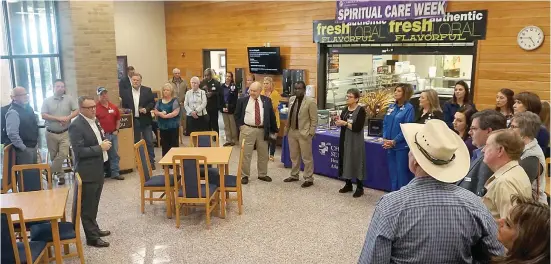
<point>395,116</point>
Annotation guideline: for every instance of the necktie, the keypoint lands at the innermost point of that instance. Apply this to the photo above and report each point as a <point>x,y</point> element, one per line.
<point>256,113</point>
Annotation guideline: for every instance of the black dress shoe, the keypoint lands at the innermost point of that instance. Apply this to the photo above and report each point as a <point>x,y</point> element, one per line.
<point>227,144</point>
<point>232,144</point>
<point>359,192</point>
<point>290,179</point>
<point>61,180</point>
<point>244,180</point>
<point>265,178</point>
<point>97,243</point>
<point>347,187</point>
<point>104,233</point>
<point>120,178</point>
<point>307,184</point>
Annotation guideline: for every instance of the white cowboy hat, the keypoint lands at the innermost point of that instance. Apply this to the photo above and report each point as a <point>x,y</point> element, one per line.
<point>438,150</point>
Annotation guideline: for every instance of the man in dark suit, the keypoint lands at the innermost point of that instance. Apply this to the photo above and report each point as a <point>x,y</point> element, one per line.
<point>255,118</point>
<point>483,123</point>
<point>215,97</point>
<point>125,83</point>
<point>90,153</point>
<point>141,101</point>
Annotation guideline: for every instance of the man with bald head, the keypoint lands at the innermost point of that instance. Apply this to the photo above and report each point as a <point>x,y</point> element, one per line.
<point>255,118</point>
<point>22,131</point>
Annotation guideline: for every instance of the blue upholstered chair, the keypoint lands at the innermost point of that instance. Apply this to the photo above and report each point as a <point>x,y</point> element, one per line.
<point>204,139</point>
<point>7,164</point>
<point>18,252</point>
<point>29,177</point>
<point>190,192</point>
<point>69,232</point>
<point>149,182</point>
<point>232,183</point>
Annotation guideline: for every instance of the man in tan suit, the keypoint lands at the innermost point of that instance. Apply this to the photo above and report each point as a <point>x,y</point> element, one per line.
<point>180,87</point>
<point>301,127</point>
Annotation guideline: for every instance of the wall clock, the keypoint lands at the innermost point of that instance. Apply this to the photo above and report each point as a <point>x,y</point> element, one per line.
<point>530,38</point>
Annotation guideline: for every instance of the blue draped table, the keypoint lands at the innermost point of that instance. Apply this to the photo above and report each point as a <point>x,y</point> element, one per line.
<point>325,150</point>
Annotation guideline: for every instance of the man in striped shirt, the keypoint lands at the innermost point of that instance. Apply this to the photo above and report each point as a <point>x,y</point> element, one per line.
<point>431,220</point>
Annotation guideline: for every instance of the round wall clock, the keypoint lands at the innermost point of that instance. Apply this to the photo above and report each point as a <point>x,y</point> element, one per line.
<point>530,38</point>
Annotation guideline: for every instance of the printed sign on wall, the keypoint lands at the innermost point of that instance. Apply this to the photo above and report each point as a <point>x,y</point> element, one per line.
<point>371,10</point>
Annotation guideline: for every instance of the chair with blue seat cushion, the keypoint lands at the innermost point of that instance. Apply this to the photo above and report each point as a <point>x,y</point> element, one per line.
<point>190,191</point>
<point>69,232</point>
<point>18,252</point>
<point>7,164</point>
<point>204,139</point>
<point>153,184</point>
<point>29,177</point>
<point>232,183</point>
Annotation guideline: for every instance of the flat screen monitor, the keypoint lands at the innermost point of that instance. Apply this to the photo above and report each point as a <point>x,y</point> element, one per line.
<point>264,60</point>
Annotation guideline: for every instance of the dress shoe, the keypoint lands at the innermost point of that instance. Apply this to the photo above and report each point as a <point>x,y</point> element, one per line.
<point>60,180</point>
<point>104,233</point>
<point>244,180</point>
<point>290,179</point>
<point>227,144</point>
<point>97,243</point>
<point>307,184</point>
<point>120,178</point>
<point>153,167</point>
<point>359,192</point>
<point>265,178</point>
<point>347,187</point>
<point>232,144</point>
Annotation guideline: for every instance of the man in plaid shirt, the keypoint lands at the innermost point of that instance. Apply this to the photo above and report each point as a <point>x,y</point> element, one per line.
<point>431,220</point>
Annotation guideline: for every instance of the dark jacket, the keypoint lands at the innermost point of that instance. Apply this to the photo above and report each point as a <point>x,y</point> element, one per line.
<point>357,127</point>
<point>477,176</point>
<point>4,136</point>
<point>28,124</point>
<point>450,108</point>
<point>87,151</point>
<point>270,125</point>
<point>421,119</point>
<point>147,101</point>
<point>543,140</point>
<point>215,101</point>
<point>231,102</point>
<point>124,85</point>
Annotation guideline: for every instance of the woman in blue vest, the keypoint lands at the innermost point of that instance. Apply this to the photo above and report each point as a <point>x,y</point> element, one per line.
<point>167,110</point>
<point>398,113</point>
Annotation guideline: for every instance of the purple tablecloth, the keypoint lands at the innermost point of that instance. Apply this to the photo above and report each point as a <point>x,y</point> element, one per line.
<point>325,149</point>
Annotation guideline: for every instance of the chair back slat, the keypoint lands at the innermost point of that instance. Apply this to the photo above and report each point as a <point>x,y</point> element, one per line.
<point>9,239</point>
<point>7,164</point>
<point>77,202</point>
<point>142,161</point>
<point>28,177</point>
<point>191,176</point>
<point>204,139</point>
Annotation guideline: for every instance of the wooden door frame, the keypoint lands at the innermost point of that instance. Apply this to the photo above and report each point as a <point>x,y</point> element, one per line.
<point>209,50</point>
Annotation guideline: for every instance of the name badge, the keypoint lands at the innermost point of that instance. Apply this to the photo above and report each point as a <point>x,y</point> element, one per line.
<point>214,88</point>
<point>110,111</point>
<point>467,179</point>
<point>232,88</point>
<point>350,120</point>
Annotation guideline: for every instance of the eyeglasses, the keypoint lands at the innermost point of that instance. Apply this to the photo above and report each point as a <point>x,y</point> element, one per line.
<point>433,160</point>
<point>89,107</point>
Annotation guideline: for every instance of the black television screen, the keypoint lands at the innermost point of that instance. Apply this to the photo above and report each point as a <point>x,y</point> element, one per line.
<point>264,60</point>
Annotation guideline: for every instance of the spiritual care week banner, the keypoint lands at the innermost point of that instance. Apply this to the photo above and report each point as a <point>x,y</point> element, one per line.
<point>464,26</point>
<point>374,10</point>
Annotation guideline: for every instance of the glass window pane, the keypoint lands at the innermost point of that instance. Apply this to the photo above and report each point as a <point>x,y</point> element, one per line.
<point>5,82</point>
<point>37,75</point>
<point>32,27</point>
<point>3,34</point>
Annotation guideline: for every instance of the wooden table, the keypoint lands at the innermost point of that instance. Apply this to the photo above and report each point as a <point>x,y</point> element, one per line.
<point>45,205</point>
<point>215,155</point>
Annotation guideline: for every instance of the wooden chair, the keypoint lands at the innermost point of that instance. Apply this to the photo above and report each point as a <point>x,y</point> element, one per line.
<point>69,232</point>
<point>204,139</point>
<point>17,176</point>
<point>8,163</point>
<point>232,183</point>
<point>148,182</point>
<point>189,191</point>
<point>19,252</point>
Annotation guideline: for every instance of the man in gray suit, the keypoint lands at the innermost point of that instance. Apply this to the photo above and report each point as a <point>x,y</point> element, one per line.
<point>483,123</point>
<point>90,152</point>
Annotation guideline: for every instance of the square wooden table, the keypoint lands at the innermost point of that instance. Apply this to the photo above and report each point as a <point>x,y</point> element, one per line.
<point>215,156</point>
<point>45,205</point>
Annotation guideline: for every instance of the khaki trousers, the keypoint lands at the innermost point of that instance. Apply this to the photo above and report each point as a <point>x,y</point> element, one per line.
<point>301,146</point>
<point>254,136</point>
<point>230,128</point>
<point>58,147</point>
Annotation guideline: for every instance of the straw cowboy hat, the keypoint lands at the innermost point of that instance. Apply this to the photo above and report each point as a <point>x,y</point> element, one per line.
<point>438,150</point>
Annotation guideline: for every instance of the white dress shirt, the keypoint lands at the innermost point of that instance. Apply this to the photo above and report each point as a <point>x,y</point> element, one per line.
<point>136,97</point>
<point>249,112</point>
<point>195,101</point>
<point>94,126</point>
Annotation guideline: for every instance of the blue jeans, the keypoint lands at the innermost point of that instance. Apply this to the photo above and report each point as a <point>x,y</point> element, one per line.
<point>145,132</point>
<point>113,154</point>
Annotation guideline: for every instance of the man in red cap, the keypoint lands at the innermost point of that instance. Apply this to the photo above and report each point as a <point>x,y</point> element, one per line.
<point>109,118</point>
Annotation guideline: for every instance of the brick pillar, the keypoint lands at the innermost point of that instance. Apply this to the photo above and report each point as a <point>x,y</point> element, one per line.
<point>88,50</point>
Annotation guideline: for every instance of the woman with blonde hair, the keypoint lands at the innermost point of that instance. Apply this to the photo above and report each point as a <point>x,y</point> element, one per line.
<point>524,233</point>
<point>167,110</point>
<point>270,91</point>
<point>429,106</point>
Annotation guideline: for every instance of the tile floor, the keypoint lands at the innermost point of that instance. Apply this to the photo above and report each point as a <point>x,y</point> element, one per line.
<point>281,223</point>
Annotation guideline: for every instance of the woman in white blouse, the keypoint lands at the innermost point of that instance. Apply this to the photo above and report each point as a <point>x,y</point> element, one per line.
<point>195,104</point>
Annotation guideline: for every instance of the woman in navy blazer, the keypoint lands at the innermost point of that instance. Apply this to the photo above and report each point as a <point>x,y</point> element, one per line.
<point>398,113</point>
<point>460,98</point>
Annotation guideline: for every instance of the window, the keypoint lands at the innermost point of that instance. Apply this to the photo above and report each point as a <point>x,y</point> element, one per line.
<point>29,47</point>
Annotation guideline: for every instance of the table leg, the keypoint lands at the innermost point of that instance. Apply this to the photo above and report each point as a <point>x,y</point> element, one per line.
<point>221,169</point>
<point>57,241</point>
<point>168,191</point>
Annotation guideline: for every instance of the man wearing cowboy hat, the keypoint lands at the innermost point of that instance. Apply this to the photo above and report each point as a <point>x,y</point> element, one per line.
<point>430,220</point>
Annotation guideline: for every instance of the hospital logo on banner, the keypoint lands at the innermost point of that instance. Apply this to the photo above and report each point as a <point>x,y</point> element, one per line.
<point>324,148</point>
